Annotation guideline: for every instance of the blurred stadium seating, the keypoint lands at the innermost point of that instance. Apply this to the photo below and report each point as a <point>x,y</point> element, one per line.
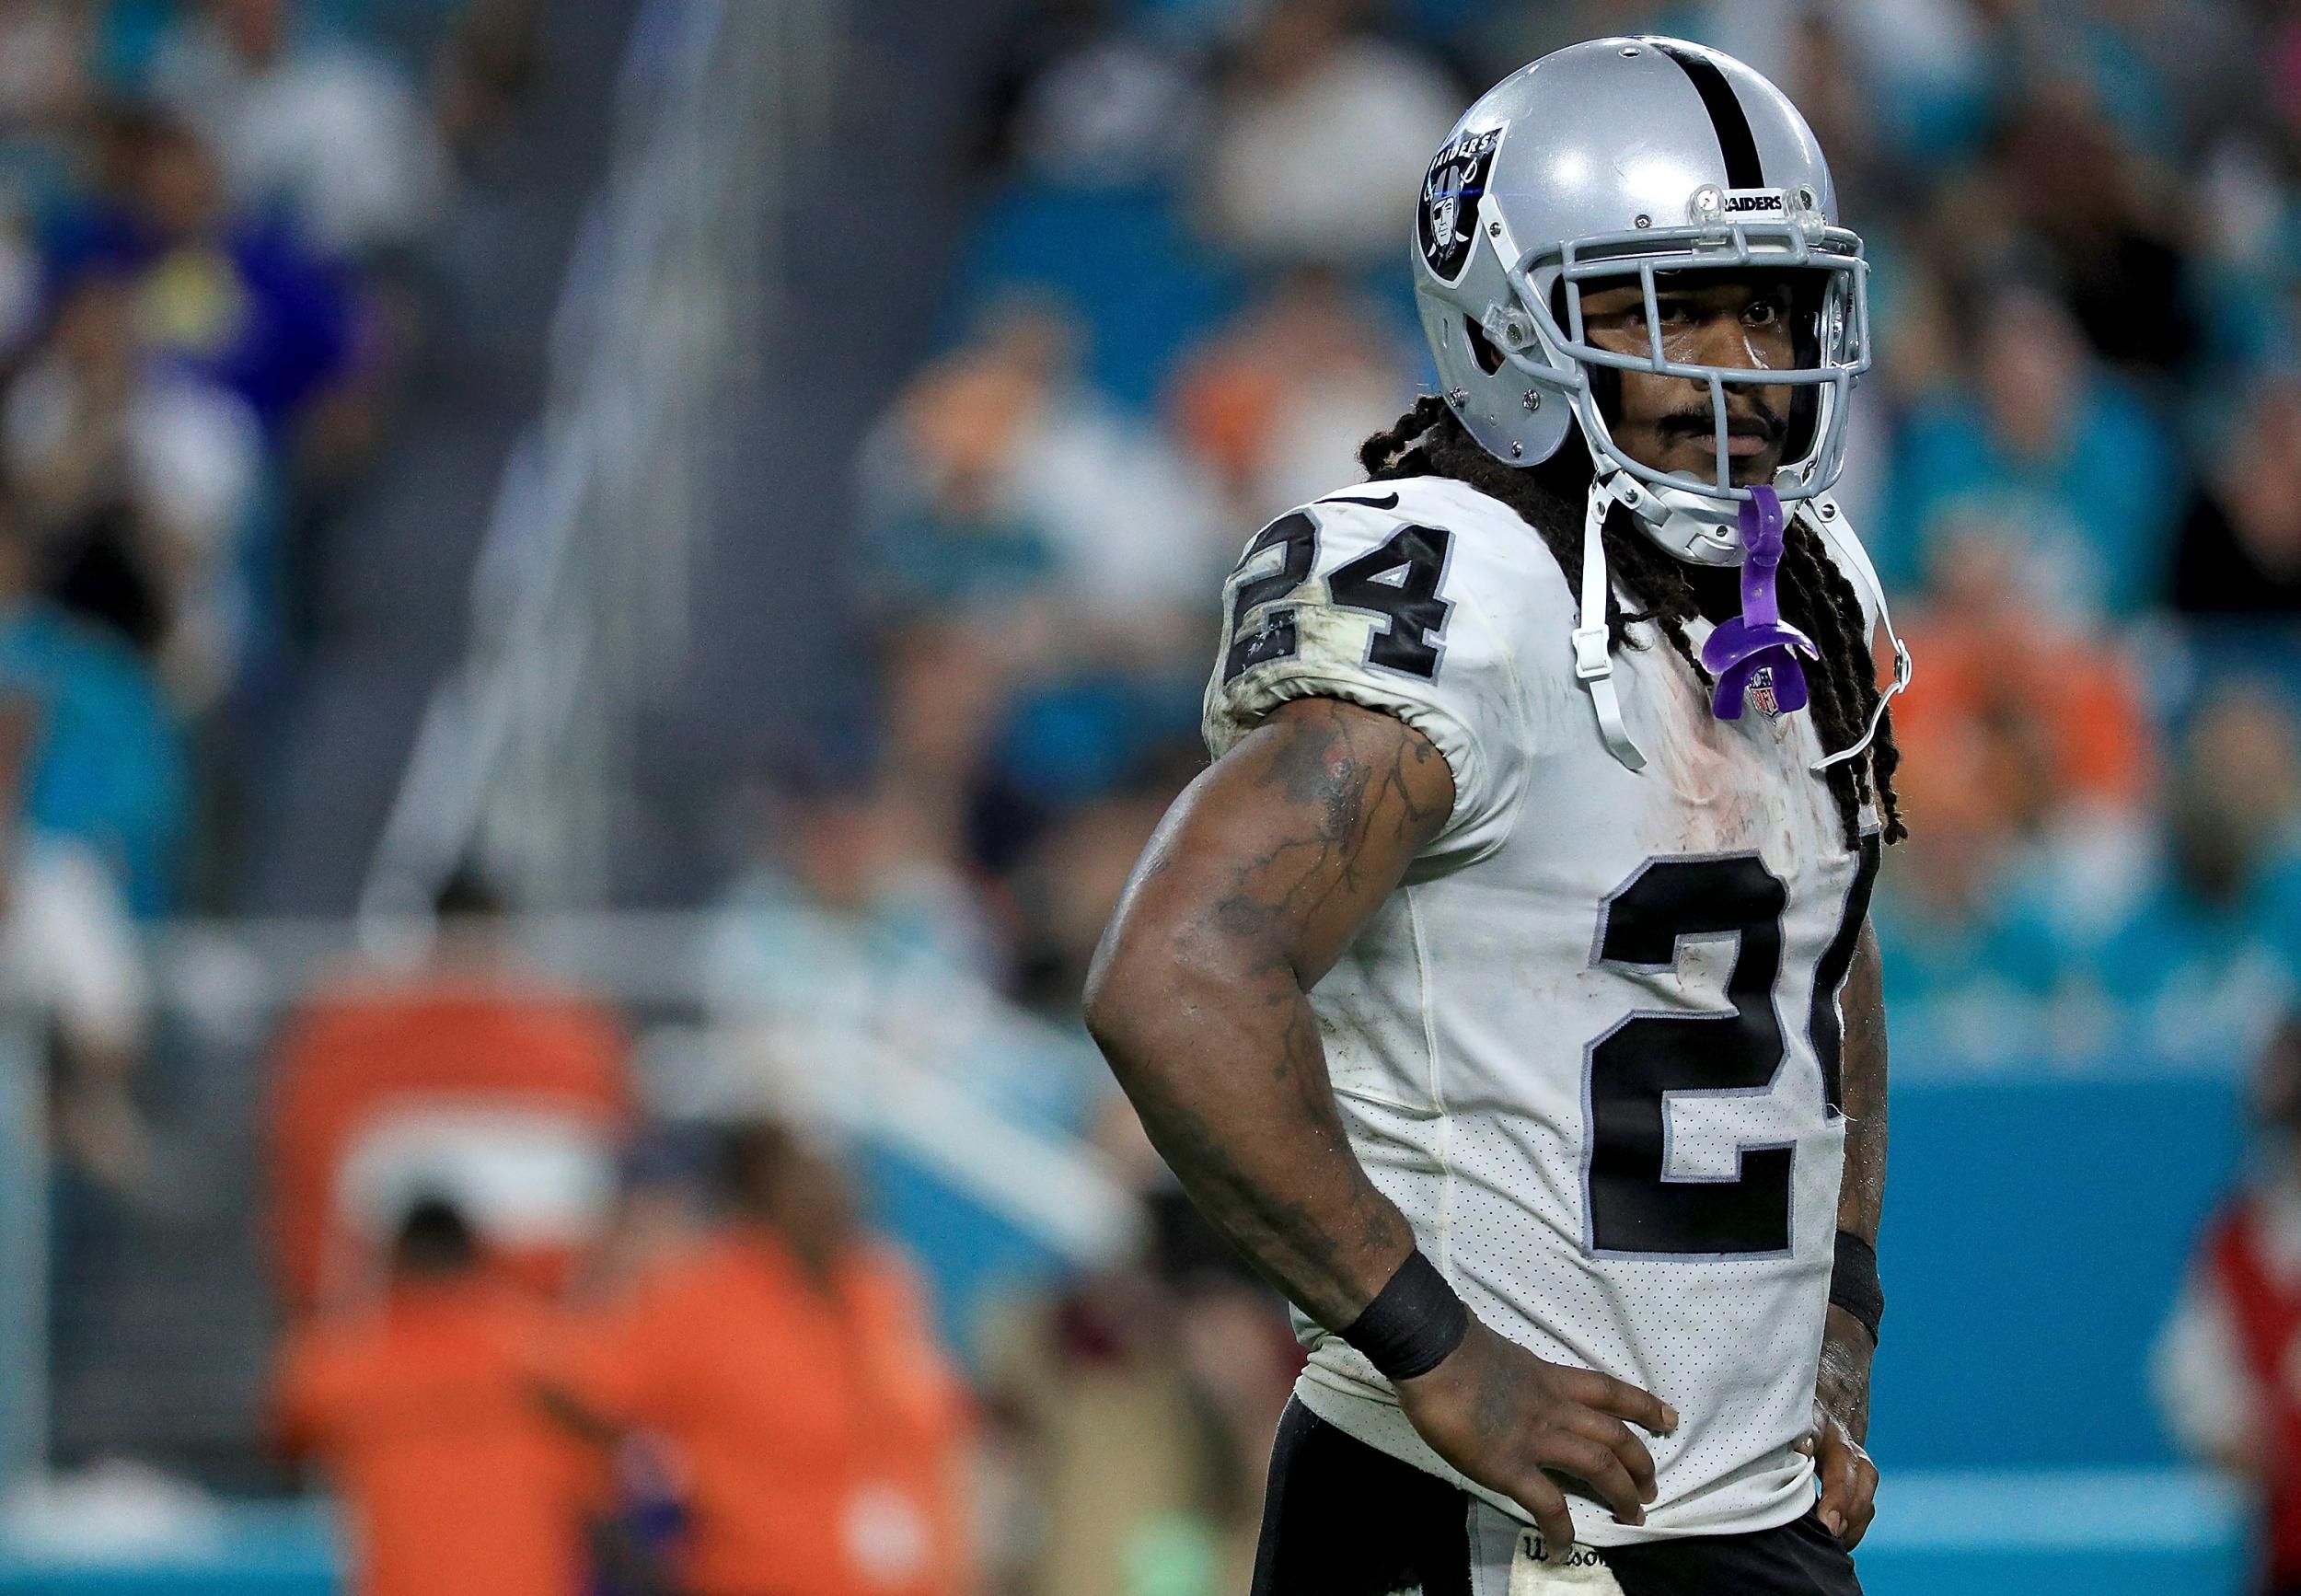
<point>753,481</point>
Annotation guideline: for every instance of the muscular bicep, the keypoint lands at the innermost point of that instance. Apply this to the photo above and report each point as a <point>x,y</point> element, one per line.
<point>1291,841</point>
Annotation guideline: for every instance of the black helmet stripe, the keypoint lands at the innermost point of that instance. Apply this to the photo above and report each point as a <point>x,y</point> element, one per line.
<point>1734,138</point>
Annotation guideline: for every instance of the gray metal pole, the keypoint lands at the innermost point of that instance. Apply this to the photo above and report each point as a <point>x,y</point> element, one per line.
<point>23,1255</point>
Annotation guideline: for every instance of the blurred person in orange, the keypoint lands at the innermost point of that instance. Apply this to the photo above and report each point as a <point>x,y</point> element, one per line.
<point>786,1364</point>
<point>500,1083</point>
<point>1996,654</point>
<point>1271,401</point>
<point>425,1409</point>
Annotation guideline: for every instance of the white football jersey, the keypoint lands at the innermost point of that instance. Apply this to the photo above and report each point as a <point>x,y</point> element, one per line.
<point>1590,1046</point>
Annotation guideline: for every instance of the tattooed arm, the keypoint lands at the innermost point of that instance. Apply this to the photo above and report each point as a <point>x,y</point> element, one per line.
<point>1255,882</point>
<point>1849,1480</point>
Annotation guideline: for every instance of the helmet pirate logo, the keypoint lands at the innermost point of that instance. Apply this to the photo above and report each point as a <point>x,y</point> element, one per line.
<point>1447,222</point>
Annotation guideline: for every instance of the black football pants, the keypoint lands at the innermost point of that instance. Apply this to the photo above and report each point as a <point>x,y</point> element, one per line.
<point>1345,1519</point>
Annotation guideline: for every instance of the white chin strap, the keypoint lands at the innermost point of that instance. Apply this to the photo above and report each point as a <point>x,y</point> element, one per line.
<point>1593,660</point>
<point>1828,525</point>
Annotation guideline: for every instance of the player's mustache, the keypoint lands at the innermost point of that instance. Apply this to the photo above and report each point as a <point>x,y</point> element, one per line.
<point>1701,425</point>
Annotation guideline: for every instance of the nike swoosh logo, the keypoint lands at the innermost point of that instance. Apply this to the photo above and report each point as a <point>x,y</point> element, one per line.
<point>1387,501</point>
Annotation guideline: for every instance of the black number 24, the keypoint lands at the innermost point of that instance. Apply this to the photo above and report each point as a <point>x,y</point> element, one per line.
<point>1634,1206</point>
<point>1397,583</point>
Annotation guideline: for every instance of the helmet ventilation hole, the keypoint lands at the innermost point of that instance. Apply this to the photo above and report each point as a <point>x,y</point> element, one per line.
<point>1482,350</point>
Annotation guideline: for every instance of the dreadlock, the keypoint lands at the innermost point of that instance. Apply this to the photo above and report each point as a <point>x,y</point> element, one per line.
<point>1430,441</point>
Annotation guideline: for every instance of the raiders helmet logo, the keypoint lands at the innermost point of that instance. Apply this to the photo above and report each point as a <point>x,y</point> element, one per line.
<point>1448,219</point>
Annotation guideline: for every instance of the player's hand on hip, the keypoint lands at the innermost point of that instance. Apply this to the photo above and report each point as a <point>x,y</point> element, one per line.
<point>1849,1480</point>
<point>1840,1422</point>
<point>1509,1420</point>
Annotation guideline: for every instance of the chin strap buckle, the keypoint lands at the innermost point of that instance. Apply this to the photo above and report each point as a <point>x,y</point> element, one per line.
<point>1592,662</point>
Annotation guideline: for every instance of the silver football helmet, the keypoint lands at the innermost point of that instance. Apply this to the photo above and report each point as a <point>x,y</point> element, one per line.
<point>1611,163</point>
<point>1606,163</point>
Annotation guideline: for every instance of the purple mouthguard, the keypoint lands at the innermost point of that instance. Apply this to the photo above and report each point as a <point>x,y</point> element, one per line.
<point>1758,638</point>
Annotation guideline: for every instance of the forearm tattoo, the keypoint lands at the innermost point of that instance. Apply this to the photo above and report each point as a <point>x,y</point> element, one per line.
<point>1861,1195</point>
<point>1246,897</point>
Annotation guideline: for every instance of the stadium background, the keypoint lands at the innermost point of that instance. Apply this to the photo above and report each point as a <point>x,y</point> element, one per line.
<point>749,480</point>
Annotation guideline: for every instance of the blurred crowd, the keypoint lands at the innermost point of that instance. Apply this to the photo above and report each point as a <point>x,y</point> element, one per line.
<point>1183,302</point>
<point>213,293</point>
<point>562,1317</point>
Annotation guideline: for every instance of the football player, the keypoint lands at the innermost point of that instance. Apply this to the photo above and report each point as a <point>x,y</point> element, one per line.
<point>1486,990</point>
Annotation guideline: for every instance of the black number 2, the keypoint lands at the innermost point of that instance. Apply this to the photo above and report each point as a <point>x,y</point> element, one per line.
<point>1274,638</point>
<point>1634,1207</point>
<point>1398,582</point>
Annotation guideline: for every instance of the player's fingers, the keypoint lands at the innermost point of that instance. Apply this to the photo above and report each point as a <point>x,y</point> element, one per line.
<point>1596,1467</point>
<point>1620,1440</point>
<point>1836,1466</point>
<point>1863,1507</point>
<point>1539,1498</point>
<point>1621,1399</point>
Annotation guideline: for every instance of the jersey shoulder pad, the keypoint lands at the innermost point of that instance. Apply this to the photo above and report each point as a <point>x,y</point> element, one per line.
<point>1377,594</point>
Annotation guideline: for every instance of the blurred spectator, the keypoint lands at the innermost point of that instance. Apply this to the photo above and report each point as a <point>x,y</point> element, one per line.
<point>1077,98</point>
<point>425,1407</point>
<point>850,905</point>
<point>44,80</point>
<point>73,972</point>
<point>106,765</point>
<point>997,477</point>
<point>484,72</point>
<point>1068,884</point>
<point>1139,1400</point>
<point>1973,951</point>
<point>2212,942</point>
<point>21,284</point>
<point>2223,1368</point>
<point>1044,564</point>
<point>2240,550</point>
<point>1321,135</point>
<point>2194,57</point>
<point>239,300</point>
<point>2044,719</point>
<point>1277,403</point>
<point>316,127</point>
<point>2067,181</point>
<point>471,1073</point>
<point>2050,449</point>
<point>786,1365</point>
<point>95,434</point>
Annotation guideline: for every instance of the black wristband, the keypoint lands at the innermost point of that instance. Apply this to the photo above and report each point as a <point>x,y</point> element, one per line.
<point>1853,1284</point>
<point>1413,1323</point>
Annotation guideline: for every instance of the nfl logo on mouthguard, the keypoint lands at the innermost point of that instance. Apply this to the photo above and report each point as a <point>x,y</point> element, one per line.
<point>1761,694</point>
